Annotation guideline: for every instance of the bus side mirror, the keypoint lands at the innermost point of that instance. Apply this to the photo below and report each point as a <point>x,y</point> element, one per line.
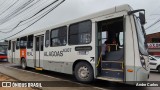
<point>141,15</point>
<point>142,18</point>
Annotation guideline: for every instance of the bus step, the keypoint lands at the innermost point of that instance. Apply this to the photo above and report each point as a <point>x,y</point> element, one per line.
<point>112,73</point>
<point>112,65</point>
<point>39,68</point>
<point>120,70</point>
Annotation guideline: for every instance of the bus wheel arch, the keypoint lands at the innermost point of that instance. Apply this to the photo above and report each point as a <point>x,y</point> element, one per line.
<point>23,63</point>
<point>83,68</point>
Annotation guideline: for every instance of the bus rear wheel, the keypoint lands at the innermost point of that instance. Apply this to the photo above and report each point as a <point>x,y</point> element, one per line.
<point>23,63</point>
<point>83,72</point>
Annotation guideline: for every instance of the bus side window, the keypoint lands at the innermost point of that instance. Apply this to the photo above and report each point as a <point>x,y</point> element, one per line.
<point>37,44</point>
<point>42,42</point>
<point>17,43</point>
<point>59,36</point>
<point>121,39</point>
<point>80,33</point>
<point>9,46</point>
<point>30,42</point>
<point>47,41</point>
<point>23,42</point>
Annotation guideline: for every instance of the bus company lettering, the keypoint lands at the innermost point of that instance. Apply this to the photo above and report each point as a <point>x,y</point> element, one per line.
<point>54,53</point>
<point>57,53</point>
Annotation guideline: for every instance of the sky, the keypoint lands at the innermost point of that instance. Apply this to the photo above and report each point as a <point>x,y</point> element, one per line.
<point>12,12</point>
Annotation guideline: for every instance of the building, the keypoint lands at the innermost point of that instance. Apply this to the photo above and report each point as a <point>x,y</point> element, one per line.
<point>153,41</point>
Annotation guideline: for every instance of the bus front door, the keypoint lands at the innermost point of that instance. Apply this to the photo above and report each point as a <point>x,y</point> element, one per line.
<point>39,51</point>
<point>110,49</point>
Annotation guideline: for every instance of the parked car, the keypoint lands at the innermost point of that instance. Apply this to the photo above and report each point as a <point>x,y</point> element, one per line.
<point>157,56</point>
<point>154,63</point>
<point>3,56</point>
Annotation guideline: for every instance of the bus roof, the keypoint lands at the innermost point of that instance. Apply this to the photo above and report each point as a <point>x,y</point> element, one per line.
<point>119,8</point>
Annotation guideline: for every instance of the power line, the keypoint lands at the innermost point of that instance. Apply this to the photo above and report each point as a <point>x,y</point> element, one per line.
<point>156,28</point>
<point>25,9</point>
<point>15,12</point>
<point>35,21</point>
<point>26,22</point>
<point>2,3</point>
<point>153,24</point>
<point>9,7</point>
<point>30,17</point>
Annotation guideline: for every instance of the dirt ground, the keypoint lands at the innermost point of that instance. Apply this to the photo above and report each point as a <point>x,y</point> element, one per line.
<point>7,78</point>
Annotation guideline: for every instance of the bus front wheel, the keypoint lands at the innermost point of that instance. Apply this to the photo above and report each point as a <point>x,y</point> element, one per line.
<point>23,63</point>
<point>83,72</point>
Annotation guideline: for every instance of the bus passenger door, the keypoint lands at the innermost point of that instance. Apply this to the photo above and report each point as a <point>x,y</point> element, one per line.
<point>111,49</point>
<point>13,52</point>
<point>39,50</point>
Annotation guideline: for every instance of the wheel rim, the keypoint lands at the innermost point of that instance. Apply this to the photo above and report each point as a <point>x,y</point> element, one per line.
<point>83,72</point>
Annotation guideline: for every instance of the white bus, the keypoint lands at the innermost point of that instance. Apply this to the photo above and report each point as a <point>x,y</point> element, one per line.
<point>77,47</point>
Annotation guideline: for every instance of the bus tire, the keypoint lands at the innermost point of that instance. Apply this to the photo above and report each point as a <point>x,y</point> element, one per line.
<point>83,72</point>
<point>23,64</point>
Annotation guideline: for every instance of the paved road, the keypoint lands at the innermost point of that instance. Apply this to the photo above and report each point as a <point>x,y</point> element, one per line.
<point>154,76</point>
<point>23,75</point>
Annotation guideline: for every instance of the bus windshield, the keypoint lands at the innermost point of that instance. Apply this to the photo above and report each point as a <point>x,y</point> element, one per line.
<point>141,37</point>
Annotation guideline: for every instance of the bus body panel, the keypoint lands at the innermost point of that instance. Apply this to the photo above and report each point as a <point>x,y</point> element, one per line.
<point>141,74</point>
<point>17,55</point>
<point>129,50</point>
<point>9,56</point>
<point>29,58</point>
<point>58,59</point>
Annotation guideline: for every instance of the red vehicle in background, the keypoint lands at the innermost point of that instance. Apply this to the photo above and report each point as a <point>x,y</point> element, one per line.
<point>3,56</point>
<point>3,50</point>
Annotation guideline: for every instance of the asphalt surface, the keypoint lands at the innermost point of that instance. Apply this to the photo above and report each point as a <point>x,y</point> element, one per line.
<point>60,81</point>
<point>154,76</point>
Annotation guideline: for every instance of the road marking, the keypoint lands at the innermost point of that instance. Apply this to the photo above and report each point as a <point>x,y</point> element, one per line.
<point>54,77</point>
